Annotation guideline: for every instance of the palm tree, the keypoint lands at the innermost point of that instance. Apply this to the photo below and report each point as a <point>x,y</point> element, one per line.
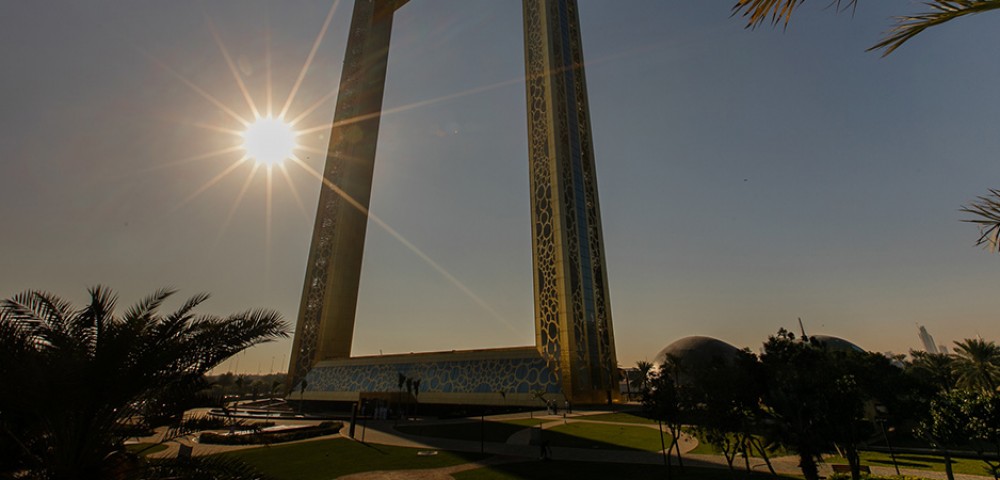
<point>76,379</point>
<point>758,12</point>
<point>985,209</point>
<point>977,364</point>
<point>986,212</point>
<point>936,369</point>
<point>641,379</point>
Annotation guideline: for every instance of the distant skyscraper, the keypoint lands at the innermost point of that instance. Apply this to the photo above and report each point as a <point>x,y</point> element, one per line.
<point>928,341</point>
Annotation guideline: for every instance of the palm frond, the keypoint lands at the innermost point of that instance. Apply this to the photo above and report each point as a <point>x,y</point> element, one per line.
<point>147,307</point>
<point>45,317</point>
<point>190,304</point>
<point>114,371</point>
<point>986,209</point>
<point>36,308</point>
<point>941,11</point>
<point>243,330</point>
<point>757,12</point>
<point>89,325</point>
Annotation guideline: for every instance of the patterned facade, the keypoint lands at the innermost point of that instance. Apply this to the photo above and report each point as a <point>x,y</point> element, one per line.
<point>574,335</point>
<point>519,373</point>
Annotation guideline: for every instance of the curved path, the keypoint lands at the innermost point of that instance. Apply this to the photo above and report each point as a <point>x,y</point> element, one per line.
<point>517,448</point>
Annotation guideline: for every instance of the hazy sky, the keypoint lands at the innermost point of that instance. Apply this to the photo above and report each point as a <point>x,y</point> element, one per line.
<point>746,178</point>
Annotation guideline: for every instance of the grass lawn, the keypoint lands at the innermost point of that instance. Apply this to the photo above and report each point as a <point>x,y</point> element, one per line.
<point>558,470</point>
<point>603,436</point>
<point>528,422</point>
<point>922,462</point>
<point>145,448</point>
<point>471,431</point>
<point>326,459</point>
<point>706,448</point>
<point>619,417</point>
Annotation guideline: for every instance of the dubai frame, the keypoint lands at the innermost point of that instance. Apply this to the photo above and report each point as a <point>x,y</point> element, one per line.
<point>574,355</point>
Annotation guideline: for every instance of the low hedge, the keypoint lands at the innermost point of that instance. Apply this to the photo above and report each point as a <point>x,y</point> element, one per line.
<point>865,476</point>
<point>264,438</point>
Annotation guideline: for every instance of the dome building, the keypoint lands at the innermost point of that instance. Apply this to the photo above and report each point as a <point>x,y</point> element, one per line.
<point>836,344</point>
<point>698,350</point>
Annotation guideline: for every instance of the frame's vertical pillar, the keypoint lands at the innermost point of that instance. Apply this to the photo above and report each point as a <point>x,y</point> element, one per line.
<point>572,308</point>
<point>325,327</point>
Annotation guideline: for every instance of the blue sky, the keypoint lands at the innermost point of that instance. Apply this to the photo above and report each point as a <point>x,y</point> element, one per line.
<point>747,178</point>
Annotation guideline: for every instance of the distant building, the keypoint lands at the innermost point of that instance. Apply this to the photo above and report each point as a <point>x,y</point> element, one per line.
<point>928,341</point>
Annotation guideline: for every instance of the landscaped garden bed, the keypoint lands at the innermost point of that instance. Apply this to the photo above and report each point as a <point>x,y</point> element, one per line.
<point>270,435</point>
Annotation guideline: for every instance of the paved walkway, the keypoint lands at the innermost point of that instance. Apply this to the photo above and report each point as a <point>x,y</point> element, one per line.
<point>517,448</point>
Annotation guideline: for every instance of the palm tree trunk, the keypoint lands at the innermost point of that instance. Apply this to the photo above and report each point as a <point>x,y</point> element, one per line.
<point>807,462</point>
<point>854,461</point>
<point>947,465</point>
<point>675,431</point>
<point>746,458</point>
<point>763,454</point>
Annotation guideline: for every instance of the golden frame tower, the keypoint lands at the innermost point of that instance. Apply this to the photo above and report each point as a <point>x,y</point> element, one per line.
<point>573,329</point>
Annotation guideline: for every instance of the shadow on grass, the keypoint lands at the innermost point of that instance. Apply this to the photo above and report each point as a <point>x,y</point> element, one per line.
<point>558,470</point>
<point>573,435</point>
<point>374,447</point>
<point>497,432</point>
<point>888,463</point>
<point>606,437</point>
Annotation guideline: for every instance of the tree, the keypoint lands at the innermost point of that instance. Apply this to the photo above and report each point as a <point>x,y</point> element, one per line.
<point>641,379</point>
<point>985,209</point>
<point>983,413</point>
<point>986,213</point>
<point>977,364</point>
<point>758,12</point>
<point>76,378</point>
<point>816,398</point>
<point>933,369</point>
<point>864,383</point>
<point>725,404</point>
<point>946,424</point>
<point>662,402</point>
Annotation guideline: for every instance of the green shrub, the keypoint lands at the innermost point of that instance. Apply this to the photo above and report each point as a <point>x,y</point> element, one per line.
<point>265,438</point>
<point>865,476</point>
<point>212,422</point>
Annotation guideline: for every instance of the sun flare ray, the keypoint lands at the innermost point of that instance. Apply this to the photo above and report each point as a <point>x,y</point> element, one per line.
<point>309,59</point>
<point>207,96</point>
<point>268,140</point>
<point>192,158</point>
<point>294,191</point>
<point>269,86</point>
<point>213,181</point>
<point>232,67</point>
<point>216,128</point>
<point>267,219</point>
<point>307,148</point>
<point>403,108</point>
<point>236,204</point>
<point>311,108</point>
<point>406,243</point>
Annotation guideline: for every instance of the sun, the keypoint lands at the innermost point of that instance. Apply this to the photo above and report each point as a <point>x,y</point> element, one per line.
<point>269,140</point>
